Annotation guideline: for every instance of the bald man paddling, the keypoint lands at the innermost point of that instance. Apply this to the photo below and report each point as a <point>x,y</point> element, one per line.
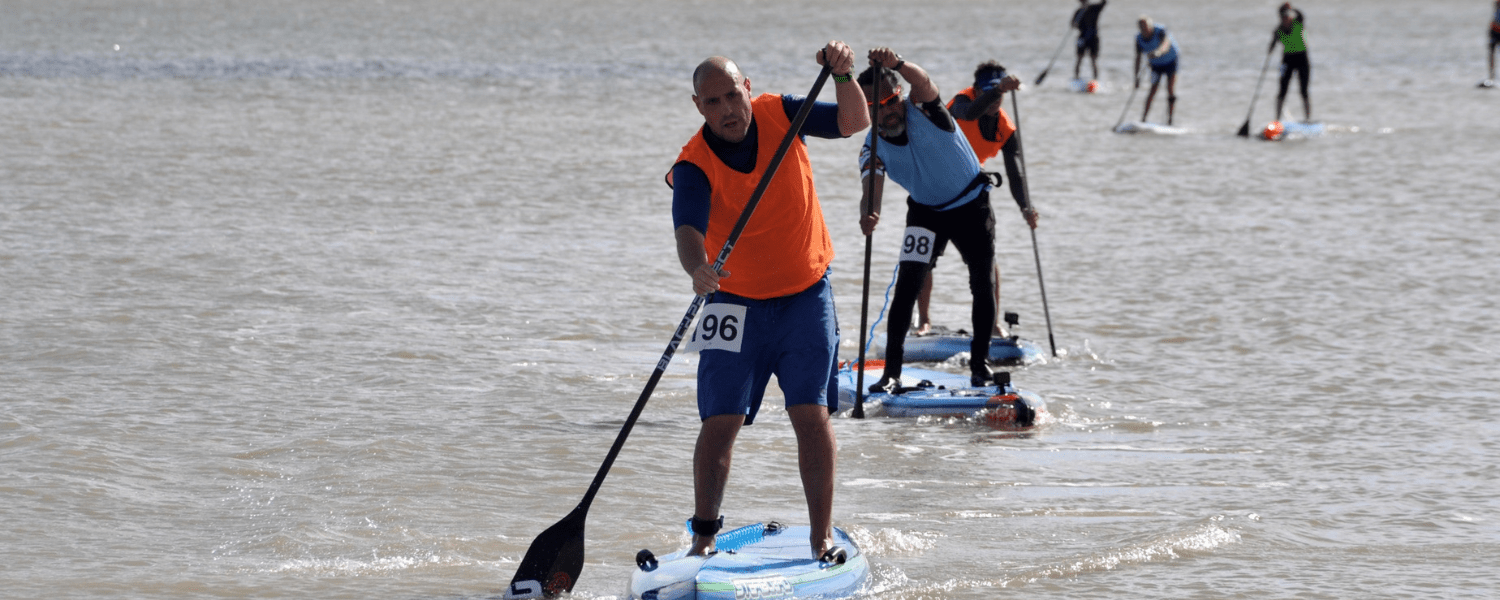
<point>770,310</point>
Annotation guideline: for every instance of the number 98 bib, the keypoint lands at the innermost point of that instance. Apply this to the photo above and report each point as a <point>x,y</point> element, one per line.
<point>917,245</point>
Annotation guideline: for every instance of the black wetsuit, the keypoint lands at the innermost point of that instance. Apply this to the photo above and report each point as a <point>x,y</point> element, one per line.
<point>1086,19</point>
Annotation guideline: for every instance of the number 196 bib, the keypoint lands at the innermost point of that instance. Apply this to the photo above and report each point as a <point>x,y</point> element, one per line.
<point>721,326</point>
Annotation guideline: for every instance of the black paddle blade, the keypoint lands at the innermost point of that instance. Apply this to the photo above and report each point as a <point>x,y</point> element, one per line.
<point>1039,78</point>
<point>1244,130</point>
<point>553,563</point>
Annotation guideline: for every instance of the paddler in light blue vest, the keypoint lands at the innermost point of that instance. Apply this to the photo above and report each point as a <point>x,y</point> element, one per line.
<point>1161,50</point>
<point>1293,57</point>
<point>922,148</point>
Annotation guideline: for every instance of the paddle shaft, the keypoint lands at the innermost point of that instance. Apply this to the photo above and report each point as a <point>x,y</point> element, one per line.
<point>580,512</point>
<point>1015,105</point>
<point>1131,98</point>
<point>864,296</point>
<point>1245,129</point>
<point>1055,54</point>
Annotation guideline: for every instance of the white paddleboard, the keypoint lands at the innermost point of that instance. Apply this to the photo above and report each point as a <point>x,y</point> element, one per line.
<point>1142,127</point>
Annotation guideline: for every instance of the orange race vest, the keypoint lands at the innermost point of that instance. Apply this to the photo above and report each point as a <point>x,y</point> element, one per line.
<point>785,248</point>
<point>983,148</point>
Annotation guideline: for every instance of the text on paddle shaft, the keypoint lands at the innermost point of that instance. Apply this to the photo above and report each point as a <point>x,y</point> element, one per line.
<point>917,244</point>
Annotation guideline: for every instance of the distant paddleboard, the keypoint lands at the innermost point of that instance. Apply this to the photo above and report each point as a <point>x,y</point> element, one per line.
<point>1085,86</point>
<point>938,393</point>
<point>757,561</point>
<point>942,344</point>
<point>1285,130</point>
<point>1138,127</point>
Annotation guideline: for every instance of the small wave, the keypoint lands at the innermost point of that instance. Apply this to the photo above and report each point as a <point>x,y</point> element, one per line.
<point>344,566</point>
<point>893,542</point>
<point>1205,537</point>
<point>890,583</point>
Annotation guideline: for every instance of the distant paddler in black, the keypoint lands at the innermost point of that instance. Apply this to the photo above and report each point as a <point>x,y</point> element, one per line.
<point>923,150</point>
<point>770,310</point>
<point>981,115</point>
<point>1494,43</point>
<point>1086,20</point>
<point>1161,52</point>
<point>1293,58</point>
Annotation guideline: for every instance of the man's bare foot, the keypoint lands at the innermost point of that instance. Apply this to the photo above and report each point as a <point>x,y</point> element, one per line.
<point>1001,332</point>
<point>923,328</point>
<point>820,545</point>
<point>703,545</point>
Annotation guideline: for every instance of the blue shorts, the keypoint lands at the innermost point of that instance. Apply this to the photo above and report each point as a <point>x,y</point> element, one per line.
<point>1157,71</point>
<point>795,338</point>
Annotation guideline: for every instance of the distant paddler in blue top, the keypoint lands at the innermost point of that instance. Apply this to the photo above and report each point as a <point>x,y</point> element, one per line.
<point>1293,57</point>
<point>1161,50</point>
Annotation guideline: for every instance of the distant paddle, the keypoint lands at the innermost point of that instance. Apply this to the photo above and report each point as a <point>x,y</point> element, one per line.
<point>1015,105</point>
<point>1245,129</point>
<point>555,559</point>
<point>1055,54</point>
<point>1130,100</point>
<point>864,297</point>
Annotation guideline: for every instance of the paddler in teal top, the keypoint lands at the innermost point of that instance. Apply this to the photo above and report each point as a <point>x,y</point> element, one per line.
<point>1293,57</point>
<point>1161,50</point>
<point>923,149</point>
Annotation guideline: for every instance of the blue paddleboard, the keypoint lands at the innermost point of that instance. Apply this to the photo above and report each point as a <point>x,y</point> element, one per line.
<point>940,345</point>
<point>1283,130</point>
<point>939,393</point>
<point>757,561</point>
<point>1085,86</point>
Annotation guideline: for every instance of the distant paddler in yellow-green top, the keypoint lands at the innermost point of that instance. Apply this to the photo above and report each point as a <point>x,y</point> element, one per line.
<point>1293,57</point>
